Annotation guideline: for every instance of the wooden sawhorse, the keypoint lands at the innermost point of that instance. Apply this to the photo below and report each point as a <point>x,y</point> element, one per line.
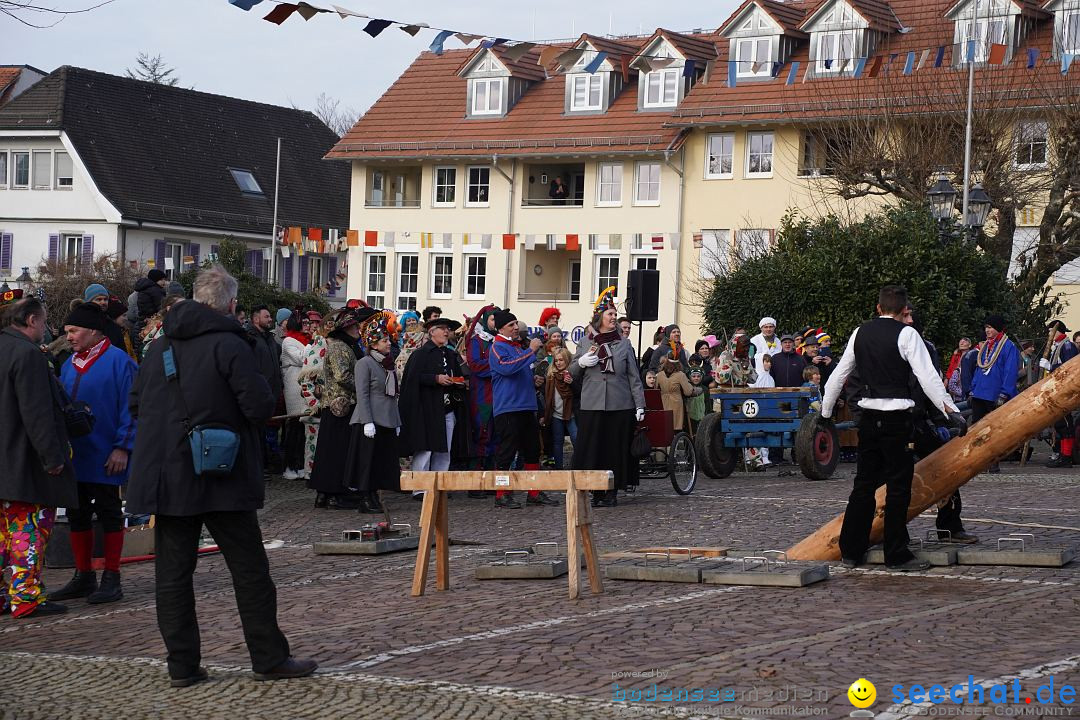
<point>434,518</point>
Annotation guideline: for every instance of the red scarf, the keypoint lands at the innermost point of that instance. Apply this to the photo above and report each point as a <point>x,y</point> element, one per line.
<point>84,360</point>
<point>954,363</point>
<point>300,337</point>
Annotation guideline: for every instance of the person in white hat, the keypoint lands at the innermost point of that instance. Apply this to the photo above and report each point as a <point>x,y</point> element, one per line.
<point>765,342</point>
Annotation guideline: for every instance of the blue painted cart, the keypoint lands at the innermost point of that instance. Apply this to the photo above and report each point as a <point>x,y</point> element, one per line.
<point>766,418</point>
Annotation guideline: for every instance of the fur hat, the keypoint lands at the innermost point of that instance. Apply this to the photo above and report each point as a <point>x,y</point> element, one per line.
<point>547,313</point>
<point>996,321</point>
<point>767,321</point>
<point>155,275</point>
<point>503,318</point>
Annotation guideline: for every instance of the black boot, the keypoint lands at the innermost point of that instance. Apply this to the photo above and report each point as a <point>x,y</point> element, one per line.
<point>373,504</point>
<point>81,585</point>
<point>109,590</point>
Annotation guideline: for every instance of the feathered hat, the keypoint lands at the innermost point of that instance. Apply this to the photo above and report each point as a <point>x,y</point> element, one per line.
<point>377,327</point>
<point>605,300</point>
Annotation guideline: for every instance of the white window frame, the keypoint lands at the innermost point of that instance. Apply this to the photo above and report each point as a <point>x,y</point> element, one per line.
<point>315,273</point>
<point>750,151</point>
<point>373,271</point>
<point>449,276</point>
<point>601,285</point>
<point>402,293</point>
<point>613,184</point>
<point>638,184</point>
<point>1070,20</point>
<point>570,280</point>
<point>467,270</point>
<point>46,156</point>
<point>436,185</point>
<point>1026,140</point>
<point>71,256</point>
<point>745,65</point>
<point>593,84</point>
<point>15,155</point>
<point>498,84</point>
<point>727,138</point>
<point>671,74</point>
<point>983,41</point>
<point>5,162</point>
<point>646,262</point>
<point>58,179</point>
<point>831,42</point>
<point>715,252</point>
<point>760,237</point>
<point>245,181</point>
<point>176,251</point>
<point>469,185</point>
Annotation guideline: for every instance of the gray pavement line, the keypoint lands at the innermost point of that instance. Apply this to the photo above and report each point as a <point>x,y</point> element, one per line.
<point>772,499</point>
<point>852,629</point>
<point>908,708</point>
<point>380,658</point>
<point>969,578</point>
<point>1017,524</point>
<point>443,686</point>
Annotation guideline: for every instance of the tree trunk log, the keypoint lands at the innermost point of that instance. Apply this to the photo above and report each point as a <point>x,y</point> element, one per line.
<point>942,472</point>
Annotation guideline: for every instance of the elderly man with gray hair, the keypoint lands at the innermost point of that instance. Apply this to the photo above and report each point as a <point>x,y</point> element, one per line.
<point>202,373</point>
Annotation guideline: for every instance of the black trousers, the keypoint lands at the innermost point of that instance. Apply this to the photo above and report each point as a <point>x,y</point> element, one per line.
<point>240,539</point>
<point>948,515</point>
<point>884,459</point>
<point>292,444</point>
<point>518,432</point>
<point>102,500</point>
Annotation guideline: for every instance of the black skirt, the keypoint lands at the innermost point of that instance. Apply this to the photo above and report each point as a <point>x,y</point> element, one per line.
<point>604,444</point>
<point>373,462</point>
<point>329,474</point>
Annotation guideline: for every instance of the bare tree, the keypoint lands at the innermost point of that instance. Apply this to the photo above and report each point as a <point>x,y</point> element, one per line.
<point>33,13</point>
<point>334,116</point>
<point>152,69</point>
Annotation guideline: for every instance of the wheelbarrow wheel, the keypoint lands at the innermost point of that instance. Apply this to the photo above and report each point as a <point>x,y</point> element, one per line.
<point>682,464</point>
<point>817,447</point>
<point>702,439</point>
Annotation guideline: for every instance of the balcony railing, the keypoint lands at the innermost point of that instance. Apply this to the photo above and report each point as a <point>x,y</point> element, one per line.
<point>547,297</point>
<point>391,203</point>
<point>549,202</point>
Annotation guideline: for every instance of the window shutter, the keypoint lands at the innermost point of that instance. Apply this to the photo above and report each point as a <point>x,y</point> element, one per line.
<point>253,262</point>
<point>54,248</point>
<point>331,279</point>
<point>304,274</point>
<point>87,251</point>
<point>193,251</point>
<point>6,241</point>
<point>159,255</point>
<point>287,273</point>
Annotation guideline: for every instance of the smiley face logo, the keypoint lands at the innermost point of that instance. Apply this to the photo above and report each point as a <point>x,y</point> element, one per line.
<point>862,693</point>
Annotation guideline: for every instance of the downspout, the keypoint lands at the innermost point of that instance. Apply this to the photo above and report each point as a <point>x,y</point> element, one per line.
<point>509,220</point>
<point>679,214</point>
<point>122,229</point>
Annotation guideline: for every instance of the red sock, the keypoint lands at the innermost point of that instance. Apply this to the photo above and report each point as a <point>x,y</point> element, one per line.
<point>114,545</point>
<point>82,544</point>
<point>533,466</point>
<point>1067,446</point>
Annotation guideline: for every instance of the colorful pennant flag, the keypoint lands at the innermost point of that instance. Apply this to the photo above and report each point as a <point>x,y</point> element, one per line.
<point>281,13</point>
<point>308,11</point>
<point>676,240</point>
<point>997,54</point>
<point>688,68</point>
<point>245,4</point>
<point>294,236</point>
<point>657,242</point>
<point>572,243</point>
<point>509,241</point>
<point>615,241</point>
<point>448,240</point>
<point>860,66</point>
<point>530,242</point>
<point>485,241</point>
<point>436,45</point>
<point>710,65</point>
<point>465,239</point>
<point>412,29</point>
<point>732,73</point>
<point>374,27</point>
<point>970,54</point>
<point>875,67</point>
<point>699,240</point>
<point>940,57</point>
<point>346,12</point>
<point>371,238</point>
<point>594,240</point>
<point>548,55</point>
<point>909,64</point>
<point>389,239</point>
<point>597,61</point>
<point>792,73</point>
<point>427,240</point>
<point>516,52</point>
<point>1032,57</point>
<point>1066,62</point>
<point>467,38</point>
<point>552,242</point>
<point>923,58</point>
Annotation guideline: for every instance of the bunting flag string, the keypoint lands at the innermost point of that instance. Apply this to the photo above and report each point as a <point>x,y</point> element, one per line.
<point>341,241</point>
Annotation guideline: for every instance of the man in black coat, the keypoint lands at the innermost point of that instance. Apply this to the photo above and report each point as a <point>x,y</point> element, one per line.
<point>150,291</point>
<point>432,401</point>
<point>37,476</point>
<point>787,366</point>
<point>217,383</point>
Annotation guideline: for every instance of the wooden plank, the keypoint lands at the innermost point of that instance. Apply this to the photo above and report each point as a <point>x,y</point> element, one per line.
<point>679,550</point>
<point>592,563</point>
<point>555,480</point>
<point>423,553</point>
<point>442,541</point>
<point>573,498</point>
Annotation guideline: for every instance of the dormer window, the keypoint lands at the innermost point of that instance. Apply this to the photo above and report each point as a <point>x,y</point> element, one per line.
<point>487,96</point>
<point>836,50</point>
<point>978,28</point>
<point>1070,34</point>
<point>754,57</point>
<point>761,35</point>
<point>586,91</point>
<point>985,32</point>
<point>662,88</point>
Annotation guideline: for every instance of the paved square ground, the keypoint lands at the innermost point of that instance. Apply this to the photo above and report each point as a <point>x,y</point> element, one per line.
<point>521,649</point>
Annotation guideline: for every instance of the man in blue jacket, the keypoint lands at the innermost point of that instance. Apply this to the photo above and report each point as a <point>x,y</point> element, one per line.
<point>515,405</point>
<point>994,380</point>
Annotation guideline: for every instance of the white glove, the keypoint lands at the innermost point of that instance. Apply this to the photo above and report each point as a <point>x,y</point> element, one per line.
<point>588,360</point>
<point>640,414</point>
<point>397,430</point>
<point>1044,364</point>
<point>369,430</point>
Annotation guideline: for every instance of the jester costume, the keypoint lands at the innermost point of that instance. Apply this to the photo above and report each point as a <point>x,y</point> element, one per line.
<point>481,400</point>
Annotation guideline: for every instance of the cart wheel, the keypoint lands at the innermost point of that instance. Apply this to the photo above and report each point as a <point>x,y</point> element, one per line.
<point>705,430</point>
<point>817,447</point>
<point>725,459</point>
<point>682,464</point>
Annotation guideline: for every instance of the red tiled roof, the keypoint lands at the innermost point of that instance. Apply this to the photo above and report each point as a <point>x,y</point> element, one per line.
<point>787,15</point>
<point>701,48</point>
<point>8,77</point>
<point>879,14</point>
<point>773,101</point>
<point>609,46</point>
<point>1028,8</point>
<point>526,67</point>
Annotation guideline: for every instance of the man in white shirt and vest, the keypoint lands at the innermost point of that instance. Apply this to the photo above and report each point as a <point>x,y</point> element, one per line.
<point>886,353</point>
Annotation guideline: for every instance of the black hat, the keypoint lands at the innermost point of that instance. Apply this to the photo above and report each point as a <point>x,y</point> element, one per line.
<point>995,321</point>
<point>363,313</point>
<point>87,315</point>
<point>447,323</point>
<point>504,318</point>
<point>1057,325</point>
<point>787,336</point>
<point>155,275</point>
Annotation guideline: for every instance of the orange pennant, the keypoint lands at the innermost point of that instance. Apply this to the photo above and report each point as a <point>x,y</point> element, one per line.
<point>509,241</point>
<point>997,54</point>
<point>294,236</point>
<point>353,238</point>
<point>371,238</point>
<point>572,243</point>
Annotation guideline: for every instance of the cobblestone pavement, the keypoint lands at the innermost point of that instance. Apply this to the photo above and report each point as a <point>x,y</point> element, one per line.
<point>521,649</point>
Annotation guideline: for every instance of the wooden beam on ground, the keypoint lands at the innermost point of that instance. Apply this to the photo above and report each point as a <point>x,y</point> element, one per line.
<point>938,475</point>
<point>554,480</point>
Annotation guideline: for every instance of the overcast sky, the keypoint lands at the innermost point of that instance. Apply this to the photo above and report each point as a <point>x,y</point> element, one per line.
<point>219,48</point>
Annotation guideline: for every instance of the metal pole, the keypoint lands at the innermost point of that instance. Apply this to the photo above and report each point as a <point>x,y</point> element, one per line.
<point>970,52</point>
<point>273,233</point>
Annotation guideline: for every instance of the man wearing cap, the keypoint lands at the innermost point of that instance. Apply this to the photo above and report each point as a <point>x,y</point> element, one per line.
<point>787,365</point>
<point>812,356</point>
<point>886,352</point>
<point>994,382</point>
<point>432,401</point>
<point>100,375</point>
<point>1061,352</point>
<point>37,475</point>
<point>151,291</point>
<point>515,405</point>
<point>765,342</point>
<point>280,318</point>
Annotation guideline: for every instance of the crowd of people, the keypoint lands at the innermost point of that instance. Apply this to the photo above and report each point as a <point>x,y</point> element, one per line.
<point>154,400</point>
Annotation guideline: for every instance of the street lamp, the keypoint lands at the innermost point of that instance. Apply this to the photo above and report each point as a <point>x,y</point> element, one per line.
<point>978,207</point>
<point>942,199</point>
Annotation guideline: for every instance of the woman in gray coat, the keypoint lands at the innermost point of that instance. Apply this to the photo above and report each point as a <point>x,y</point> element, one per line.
<point>612,400</point>
<point>373,459</point>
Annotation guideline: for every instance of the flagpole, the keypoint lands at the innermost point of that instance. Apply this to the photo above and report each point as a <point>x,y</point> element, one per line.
<point>970,51</point>
<point>273,234</point>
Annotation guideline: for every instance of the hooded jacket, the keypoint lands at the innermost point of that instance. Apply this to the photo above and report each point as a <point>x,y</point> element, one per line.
<point>149,298</point>
<point>220,383</point>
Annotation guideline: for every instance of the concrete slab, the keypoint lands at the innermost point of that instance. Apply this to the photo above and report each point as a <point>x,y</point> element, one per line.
<point>659,569</point>
<point>534,570</point>
<point>766,575</point>
<point>1029,557</point>
<point>938,556</point>
<point>367,547</point>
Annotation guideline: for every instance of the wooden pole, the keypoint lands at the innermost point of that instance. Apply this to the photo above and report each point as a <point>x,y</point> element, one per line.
<point>943,471</point>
